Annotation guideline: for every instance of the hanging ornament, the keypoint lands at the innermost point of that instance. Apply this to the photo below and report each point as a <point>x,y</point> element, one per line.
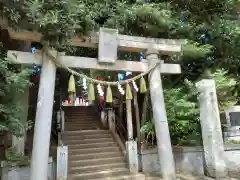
<point>129,95</point>
<point>120,89</point>
<point>91,93</point>
<point>143,87</point>
<point>135,86</point>
<point>109,98</point>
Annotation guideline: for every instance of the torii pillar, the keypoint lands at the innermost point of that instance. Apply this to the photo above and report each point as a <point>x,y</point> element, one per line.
<point>165,153</point>
<point>43,121</point>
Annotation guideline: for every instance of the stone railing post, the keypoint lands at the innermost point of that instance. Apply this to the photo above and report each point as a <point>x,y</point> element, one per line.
<point>104,119</point>
<point>111,122</point>
<point>165,153</point>
<point>131,144</point>
<point>112,127</point>
<point>211,129</point>
<point>62,121</point>
<point>59,128</point>
<point>43,121</point>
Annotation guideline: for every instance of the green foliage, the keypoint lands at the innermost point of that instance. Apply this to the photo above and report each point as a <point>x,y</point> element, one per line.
<point>183,113</point>
<point>12,84</point>
<point>233,142</point>
<point>193,50</point>
<point>15,159</point>
<point>148,130</point>
<point>225,85</point>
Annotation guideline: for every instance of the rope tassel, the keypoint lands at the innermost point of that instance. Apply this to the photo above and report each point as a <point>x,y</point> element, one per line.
<point>71,85</point>
<point>109,98</point>
<point>129,95</point>
<point>91,93</point>
<point>143,87</point>
<point>59,64</point>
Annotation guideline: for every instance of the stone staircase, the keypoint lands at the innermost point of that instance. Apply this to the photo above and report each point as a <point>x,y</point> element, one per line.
<point>92,151</point>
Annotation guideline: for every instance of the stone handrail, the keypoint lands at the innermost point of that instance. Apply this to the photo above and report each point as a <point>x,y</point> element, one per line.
<point>113,128</point>
<point>120,129</point>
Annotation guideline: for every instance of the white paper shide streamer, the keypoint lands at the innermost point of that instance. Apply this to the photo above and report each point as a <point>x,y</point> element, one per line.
<point>84,83</point>
<point>135,86</point>
<point>120,89</point>
<point>100,91</point>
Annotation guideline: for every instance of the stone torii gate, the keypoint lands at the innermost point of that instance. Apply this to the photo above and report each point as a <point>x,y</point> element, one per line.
<point>109,42</point>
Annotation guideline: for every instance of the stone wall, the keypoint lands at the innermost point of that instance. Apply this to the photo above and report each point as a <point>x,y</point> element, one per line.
<point>190,160</point>
<point>24,172</point>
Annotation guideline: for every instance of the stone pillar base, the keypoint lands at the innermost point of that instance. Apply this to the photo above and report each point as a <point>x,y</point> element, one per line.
<point>132,155</point>
<point>214,173</point>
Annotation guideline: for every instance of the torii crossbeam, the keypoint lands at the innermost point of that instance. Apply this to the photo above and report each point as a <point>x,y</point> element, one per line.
<point>27,58</point>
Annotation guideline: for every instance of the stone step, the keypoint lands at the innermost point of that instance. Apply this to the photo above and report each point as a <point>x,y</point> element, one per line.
<point>83,128</point>
<point>89,156</point>
<point>82,115</point>
<point>92,153</point>
<point>92,145</point>
<point>97,161</point>
<point>101,174</point>
<point>74,124</point>
<point>101,167</point>
<point>81,119</point>
<point>93,150</point>
<point>153,178</point>
<point>79,122</point>
<point>86,132</point>
<point>128,176</point>
<point>80,112</point>
<point>88,136</point>
<point>87,141</point>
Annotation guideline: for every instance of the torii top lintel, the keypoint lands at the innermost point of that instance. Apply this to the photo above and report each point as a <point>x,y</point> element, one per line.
<point>125,42</point>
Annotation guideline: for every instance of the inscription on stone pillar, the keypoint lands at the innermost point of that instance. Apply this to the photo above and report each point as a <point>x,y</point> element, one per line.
<point>132,156</point>
<point>62,162</point>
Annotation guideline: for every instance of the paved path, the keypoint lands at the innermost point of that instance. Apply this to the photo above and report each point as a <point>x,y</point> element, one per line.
<point>186,177</point>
